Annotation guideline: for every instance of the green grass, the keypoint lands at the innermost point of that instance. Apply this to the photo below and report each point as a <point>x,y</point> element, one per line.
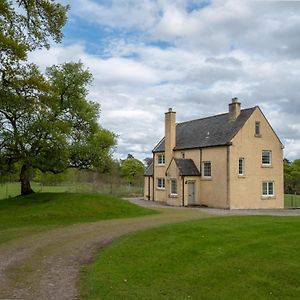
<point>39,211</point>
<point>292,200</point>
<point>8,190</point>
<point>253,257</point>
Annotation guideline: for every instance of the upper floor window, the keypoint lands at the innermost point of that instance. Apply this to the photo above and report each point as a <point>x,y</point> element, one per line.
<point>241,166</point>
<point>268,188</point>
<point>160,183</point>
<point>160,159</point>
<point>266,157</point>
<point>206,169</point>
<point>257,128</point>
<point>173,187</point>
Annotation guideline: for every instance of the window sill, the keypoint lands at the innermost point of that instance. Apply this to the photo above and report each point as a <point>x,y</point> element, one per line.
<point>173,195</point>
<point>159,165</point>
<point>206,178</point>
<point>266,166</point>
<point>268,197</point>
<point>258,135</point>
<point>241,176</point>
<point>160,189</point>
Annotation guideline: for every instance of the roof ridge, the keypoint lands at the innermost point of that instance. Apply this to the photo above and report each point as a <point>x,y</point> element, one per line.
<point>218,115</point>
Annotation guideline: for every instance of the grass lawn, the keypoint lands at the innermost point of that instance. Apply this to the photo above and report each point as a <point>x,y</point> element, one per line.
<point>40,211</point>
<point>13,189</point>
<point>249,257</point>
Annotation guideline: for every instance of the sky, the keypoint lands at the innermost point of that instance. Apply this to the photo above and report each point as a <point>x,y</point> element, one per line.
<point>194,56</point>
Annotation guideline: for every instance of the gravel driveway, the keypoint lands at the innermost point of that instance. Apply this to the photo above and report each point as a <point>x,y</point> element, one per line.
<point>46,265</point>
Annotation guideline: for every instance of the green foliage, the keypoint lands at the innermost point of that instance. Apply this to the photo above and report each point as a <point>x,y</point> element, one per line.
<point>291,176</point>
<point>132,169</point>
<point>26,25</point>
<point>251,257</point>
<point>46,123</point>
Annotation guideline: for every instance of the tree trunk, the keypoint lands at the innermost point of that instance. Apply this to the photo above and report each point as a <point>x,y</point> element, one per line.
<point>25,182</point>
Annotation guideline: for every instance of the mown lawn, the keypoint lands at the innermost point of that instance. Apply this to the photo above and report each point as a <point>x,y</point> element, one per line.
<point>249,257</point>
<point>40,211</point>
<point>8,190</point>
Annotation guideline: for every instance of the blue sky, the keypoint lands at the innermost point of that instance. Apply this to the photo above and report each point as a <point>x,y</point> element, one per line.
<point>194,56</point>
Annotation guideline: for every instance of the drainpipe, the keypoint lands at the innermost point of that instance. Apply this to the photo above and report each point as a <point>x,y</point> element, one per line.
<point>149,178</point>
<point>228,178</point>
<point>153,178</point>
<point>182,190</point>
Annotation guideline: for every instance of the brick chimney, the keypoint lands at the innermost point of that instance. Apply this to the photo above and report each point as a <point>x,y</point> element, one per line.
<point>234,109</point>
<point>170,135</point>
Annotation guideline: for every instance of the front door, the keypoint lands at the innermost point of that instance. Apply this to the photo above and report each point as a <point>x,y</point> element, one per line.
<point>191,191</point>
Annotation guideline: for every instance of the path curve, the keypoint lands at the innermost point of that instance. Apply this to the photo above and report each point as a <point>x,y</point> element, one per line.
<point>46,265</point>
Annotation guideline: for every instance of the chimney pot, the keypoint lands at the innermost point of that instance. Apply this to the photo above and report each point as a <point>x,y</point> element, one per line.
<point>170,109</point>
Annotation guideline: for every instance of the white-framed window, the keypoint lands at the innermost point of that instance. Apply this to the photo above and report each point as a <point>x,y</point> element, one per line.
<point>268,188</point>
<point>241,166</point>
<point>160,183</point>
<point>160,159</point>
<point>266,157</point>
<point>206,169</point>
<point>257,128</point>
<point>173,187</point>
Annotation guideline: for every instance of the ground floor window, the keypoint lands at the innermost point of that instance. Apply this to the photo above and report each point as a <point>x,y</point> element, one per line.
<point>160,183</point>
<point>268,188</point>
<point>173,187</point>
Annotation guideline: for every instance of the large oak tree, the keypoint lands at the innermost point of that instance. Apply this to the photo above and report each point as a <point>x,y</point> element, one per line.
<point>46,122</point>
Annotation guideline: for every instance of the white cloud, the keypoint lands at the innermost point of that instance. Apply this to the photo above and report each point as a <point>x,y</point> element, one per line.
<point>248,49</point>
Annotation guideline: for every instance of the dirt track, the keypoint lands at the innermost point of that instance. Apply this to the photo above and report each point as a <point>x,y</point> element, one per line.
<point>46,265</point>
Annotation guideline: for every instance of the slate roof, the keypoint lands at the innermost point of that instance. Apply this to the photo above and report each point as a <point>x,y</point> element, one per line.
<point>186,167</point>
<point>207,132</point>
<point>149,170</point>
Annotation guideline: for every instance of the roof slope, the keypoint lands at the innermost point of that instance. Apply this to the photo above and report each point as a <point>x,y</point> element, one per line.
<point>186,167</point>
<point>149,170</point>
<point>211,131</point>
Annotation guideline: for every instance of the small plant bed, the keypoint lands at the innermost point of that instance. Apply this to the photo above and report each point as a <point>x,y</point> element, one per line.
<point>38,211</point>
<point>253,257</point>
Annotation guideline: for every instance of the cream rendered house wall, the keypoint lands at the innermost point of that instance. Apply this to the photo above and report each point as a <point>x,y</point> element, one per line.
<point>213,191</point>
<point>209,191</point>
<point>159,172</point>
<point>246,191</point>
<point>173,173</point>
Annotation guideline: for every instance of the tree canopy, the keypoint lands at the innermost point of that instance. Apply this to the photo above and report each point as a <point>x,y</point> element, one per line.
<point>291,176</point>
<point>46,121</point>
<point>132,169</point>
<point>28,24</point>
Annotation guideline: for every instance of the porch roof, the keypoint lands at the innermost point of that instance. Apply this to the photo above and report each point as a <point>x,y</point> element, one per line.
<point>186,167</point>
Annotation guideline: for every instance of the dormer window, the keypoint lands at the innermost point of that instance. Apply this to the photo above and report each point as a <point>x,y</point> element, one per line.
<point>160,159</point>
<point>257,129</point>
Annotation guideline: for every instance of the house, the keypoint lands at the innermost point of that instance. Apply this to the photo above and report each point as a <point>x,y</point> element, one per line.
<point>232,160</point>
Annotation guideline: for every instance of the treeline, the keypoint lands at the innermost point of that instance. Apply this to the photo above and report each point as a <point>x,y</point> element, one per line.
<point>291,176</point>
<point>122,177</point>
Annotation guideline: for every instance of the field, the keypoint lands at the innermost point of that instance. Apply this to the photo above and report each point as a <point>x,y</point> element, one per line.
<point>253,257</point>
<point>42,211</point>
<point>8,190</point>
